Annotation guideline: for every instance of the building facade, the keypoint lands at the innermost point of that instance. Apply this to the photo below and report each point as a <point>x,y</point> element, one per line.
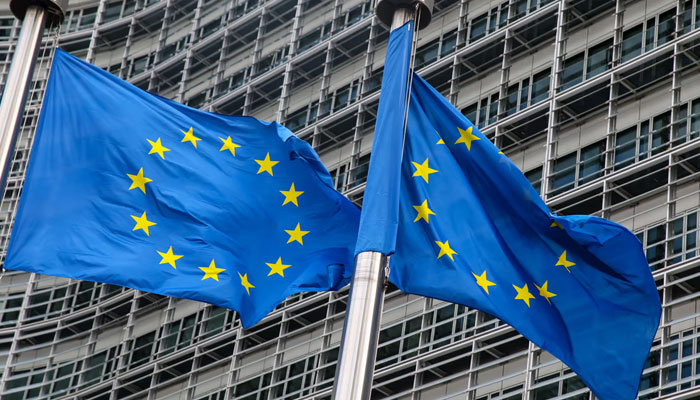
<point>598,102</point>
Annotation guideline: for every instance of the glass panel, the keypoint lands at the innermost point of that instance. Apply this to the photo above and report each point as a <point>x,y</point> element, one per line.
<point>524,92</point>
<point>649,37</point>
<point>661,132</point>
<point>470,112</point>
<point>643,139</point>
<point>88,18</point>
<point>540,86</point>
<point>112,12</point>
<point>427,54</point>
<point>512,100</point>
<point>478,28</point>
<point>625,147</point>
<point>592,162</point>
<point>573,71</point>
<point>632,43</point>
<point>666,27</point>
<point>680,130</point>
<point>449,42</point>
<point>695,118</point>
<point>599,58</point>
<point>564,172</point>
<point>535,178</point>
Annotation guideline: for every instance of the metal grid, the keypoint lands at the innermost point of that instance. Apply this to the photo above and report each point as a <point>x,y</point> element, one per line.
<point>597,101</point>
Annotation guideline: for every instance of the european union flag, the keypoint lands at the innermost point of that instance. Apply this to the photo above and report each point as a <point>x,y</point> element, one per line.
<point>128,188</point>
<point>473,231</point>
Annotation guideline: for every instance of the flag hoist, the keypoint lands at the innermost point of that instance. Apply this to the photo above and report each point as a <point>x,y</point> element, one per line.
<point>358,346</point>
<point>35,15</point>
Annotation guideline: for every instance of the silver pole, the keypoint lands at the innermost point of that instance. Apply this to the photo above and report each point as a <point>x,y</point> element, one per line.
<point>17,85</point>
<point>358,347</point>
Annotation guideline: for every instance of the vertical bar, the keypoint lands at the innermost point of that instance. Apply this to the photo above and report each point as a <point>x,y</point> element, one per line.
<point>358,346</point>
<point>15,94</point>
<point>361,330</point>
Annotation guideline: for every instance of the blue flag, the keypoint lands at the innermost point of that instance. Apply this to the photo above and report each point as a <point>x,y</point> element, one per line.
<point>473,231</point>
<point>128,188</point>
<point>380,213</point>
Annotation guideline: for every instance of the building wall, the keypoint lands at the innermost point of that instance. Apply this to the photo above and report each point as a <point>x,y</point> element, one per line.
<point>598,102</point>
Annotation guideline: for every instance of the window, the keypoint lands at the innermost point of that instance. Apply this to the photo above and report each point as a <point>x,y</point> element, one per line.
<point>477,27</point>
<point>483,112</point>
<point>632,43</point>
<point>295,377</point>
<point>271,60</point>
<point>572,73</point>
<point>338,176</point>
<point>6,28</point>
<point>99,366</point>
<point>346,95</point>
<point>579,167</point>
<point>87,19</point>
<point>448,43</point>
<point>314,37</point>
<point>359,173</point>
<point>597,59</point>
<point>488,22</point>
<point>682,243</point>
<point>654,32</point>
<point>142,350</point>
<point>112,12</point>
<point>398,342</point>
<point>535,178</point>
<point>179,334</point>
<point>427,53</point>
<point>522,94</point>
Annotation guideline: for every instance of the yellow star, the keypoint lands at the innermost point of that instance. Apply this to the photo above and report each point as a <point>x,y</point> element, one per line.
<point>277,268</point>
<point>190,137</point>
<point>423,212</point>
<point>229,145</point>
<point>466,137</point>
<point>296,235</point>
<point>139,181</point>
<point>544,293</point>
<point>439,141</point>
<point>212,271</point>
<point>423,170</point>
<point>157,147</point>
<point>523,294</point>
<point>244,281</point>
<point>445,249</point>
<point>483,282</point>
<point>266,165</point>
<point>291,195</point>
<point>169,257</point>
<point>564,262</point>
<point>142,223</point>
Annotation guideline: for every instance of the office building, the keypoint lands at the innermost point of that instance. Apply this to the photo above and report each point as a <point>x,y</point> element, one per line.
<point>598,102</point>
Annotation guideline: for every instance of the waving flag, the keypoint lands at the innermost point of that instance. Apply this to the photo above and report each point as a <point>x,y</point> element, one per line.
<point>472,230</point>
<point>128,188</point>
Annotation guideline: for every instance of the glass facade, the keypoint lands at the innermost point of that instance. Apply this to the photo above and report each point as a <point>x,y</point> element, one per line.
<point>598,102</point>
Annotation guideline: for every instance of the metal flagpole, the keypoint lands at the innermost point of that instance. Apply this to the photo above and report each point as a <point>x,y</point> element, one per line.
<point>34,14</point>
<point>358,346</point>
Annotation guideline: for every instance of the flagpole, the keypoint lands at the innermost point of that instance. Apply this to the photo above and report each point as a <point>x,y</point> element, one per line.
<point>34,15</point>
<point>358,346</point>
